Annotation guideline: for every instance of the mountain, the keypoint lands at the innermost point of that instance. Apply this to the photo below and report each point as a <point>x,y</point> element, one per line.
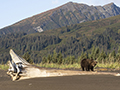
<point>69,40</point>
<point>67,14</point>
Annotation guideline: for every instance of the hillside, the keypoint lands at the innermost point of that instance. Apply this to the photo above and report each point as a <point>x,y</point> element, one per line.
<point>67,14</point>
<point>69,40</point>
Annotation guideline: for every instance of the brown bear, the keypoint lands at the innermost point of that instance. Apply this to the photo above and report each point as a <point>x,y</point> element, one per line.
<point>88,64</point>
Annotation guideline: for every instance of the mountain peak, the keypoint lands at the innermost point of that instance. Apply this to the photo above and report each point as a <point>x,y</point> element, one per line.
<point>110,4</point>
<point>69,2</point>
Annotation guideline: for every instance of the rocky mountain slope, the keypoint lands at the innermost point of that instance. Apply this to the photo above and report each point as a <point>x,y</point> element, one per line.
<point>67,14</point>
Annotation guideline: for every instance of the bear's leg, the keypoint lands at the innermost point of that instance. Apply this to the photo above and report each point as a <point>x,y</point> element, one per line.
<point>88,68</point>
<point>92,69</point>
<point>82,68</point>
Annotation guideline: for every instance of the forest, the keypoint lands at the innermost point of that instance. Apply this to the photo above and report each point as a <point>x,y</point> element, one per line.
<point>71,41</point>
<point>98,47</point>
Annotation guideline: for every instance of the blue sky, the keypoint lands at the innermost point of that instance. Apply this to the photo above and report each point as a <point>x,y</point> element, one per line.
<point>12,11</point>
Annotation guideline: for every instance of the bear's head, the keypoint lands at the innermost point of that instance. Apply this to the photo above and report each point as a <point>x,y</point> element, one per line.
<point>94,63</point>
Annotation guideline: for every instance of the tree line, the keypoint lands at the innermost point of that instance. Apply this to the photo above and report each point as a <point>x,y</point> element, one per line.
<point>95,54</point>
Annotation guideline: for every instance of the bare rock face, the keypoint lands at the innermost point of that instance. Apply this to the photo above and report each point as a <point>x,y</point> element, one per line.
<point>111,10</point>
<point>67,14</point>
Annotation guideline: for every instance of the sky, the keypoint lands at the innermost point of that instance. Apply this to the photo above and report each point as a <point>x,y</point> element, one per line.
<point>12,11</point>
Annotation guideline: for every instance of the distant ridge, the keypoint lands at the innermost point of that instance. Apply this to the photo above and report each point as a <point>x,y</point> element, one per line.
<point>67,14</point>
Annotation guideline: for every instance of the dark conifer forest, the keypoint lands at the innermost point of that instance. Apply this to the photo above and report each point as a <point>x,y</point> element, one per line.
<point>98,39</point>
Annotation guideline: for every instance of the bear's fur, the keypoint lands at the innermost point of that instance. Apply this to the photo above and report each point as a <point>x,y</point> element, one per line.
<point>88,64</point>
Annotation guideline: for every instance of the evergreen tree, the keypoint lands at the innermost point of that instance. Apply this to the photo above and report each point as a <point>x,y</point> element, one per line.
<point>60,58</point>
<point>81,57</point>
<point>54,59</point>
<point>26,56</point>
<point>113,54</point>
<point>111,58</point>
<point>91,56</point>
<point>101,57</point>
<point>72,59</point>
<point>49,59</point>
<point>63,61</point>
<point>119,50</point>
<point>85,56</point>
<point>67,60</point>
<point>118,55</point>
<point>44,60</point>
<point>96,54</point>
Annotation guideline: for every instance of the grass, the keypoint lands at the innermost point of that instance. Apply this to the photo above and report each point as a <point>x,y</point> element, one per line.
<point>115,65</point>
<point>4,66</point>
<point>74,66</point>
<point>62,66</point>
